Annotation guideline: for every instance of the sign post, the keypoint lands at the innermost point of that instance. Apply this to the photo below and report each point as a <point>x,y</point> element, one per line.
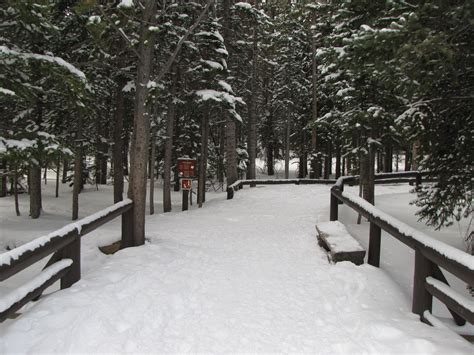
<point>187,171</point>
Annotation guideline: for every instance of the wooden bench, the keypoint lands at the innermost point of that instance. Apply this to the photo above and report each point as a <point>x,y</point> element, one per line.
<point>340,245</point>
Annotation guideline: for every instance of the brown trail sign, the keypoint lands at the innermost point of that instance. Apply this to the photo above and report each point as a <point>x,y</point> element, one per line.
<point>186,171</point>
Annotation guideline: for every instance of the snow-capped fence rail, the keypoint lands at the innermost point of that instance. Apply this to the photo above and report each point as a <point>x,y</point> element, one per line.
<point>430,255</point>
<point>64,264</point>
<point>239,184</point>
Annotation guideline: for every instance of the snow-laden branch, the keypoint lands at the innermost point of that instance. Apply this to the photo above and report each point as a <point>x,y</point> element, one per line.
<point>176,51</point>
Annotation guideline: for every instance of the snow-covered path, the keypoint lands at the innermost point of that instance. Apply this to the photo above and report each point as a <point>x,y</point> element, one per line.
<point>244,275</point>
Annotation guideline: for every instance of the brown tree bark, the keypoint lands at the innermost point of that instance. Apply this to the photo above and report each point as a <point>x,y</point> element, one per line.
<point>3,178</point>
<point>35,191</point>
<point>65,170</point>
<point>167,163</point>
<point>77,187</point>
<point>141,126</point>
<point>118,147</point>
<point>287,150</point>
<point>58,171</point>
<point>230,125</point>
<point>15,191</point>
<point>152,170</point>
<point>35,172</point>
<point>314,105</point>
<point>252,109</point>
<point>201,198</point>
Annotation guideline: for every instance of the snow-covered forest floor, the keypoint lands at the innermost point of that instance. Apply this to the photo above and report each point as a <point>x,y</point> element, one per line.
<point>243,275</point>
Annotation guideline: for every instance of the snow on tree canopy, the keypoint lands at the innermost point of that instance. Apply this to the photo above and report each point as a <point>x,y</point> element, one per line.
<point>243,5</point>
<point>47,58</point>
<point>218,96</point>
<point>215,34</point>
<point>7,92</point>
<point>213,65</point>
<point>125,4</point>
<point>225,86</point>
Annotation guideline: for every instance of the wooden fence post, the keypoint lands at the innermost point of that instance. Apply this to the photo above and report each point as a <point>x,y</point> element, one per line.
<point>422,299</point>
<point>341,189</point>
<point>72,251</point>
<point>230,193</point>
<point>374,245</point>
<point>185,200</point>
<point>127,229</point>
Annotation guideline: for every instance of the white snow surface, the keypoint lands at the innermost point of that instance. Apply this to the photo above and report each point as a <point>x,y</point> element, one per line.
<point>338,237</point>
<point>16,295</point>
<point>244,275</point>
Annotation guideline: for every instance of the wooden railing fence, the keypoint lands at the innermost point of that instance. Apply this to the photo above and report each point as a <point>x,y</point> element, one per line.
<point>431,256</point>
<point>64,264</point>
<point>239,184</point>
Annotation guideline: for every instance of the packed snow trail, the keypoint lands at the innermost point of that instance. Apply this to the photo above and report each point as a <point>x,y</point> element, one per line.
<point>244,275</point>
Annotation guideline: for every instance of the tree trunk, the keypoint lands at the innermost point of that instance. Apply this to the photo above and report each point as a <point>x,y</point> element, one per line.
<point>407,160</point>
<point>152,170</point>
<point>118,147</point>
<point>35,191</point>
<point>203,158</point>
<point>414,156</point>
<point>77,186</point>
<point>302,166</point>
<point>287,150</point>
<point>338,160</point>
<point>65,170</point>
<point>252,119</point>
<point>141,126</point>
<point>230,126</point>
<point>15,191</point>
<point>167,163</point>
<point>45,175</point>
<point>35,173</point>
<point>314,105</point>
<point>3,178</point>
<point>367,175</point>
<point>388,158</point>
<point>221,165</point>
<point>270,159</point>
<point>58,171</point>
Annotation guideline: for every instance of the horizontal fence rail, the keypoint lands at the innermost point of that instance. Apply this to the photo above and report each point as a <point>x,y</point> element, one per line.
<point>64,264</point>
<point>430,255</point>
<point>239,184</point>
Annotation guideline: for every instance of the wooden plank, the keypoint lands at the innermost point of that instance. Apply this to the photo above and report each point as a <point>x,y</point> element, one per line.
<point>32,295</point>
<point>341,246</point>
<point>438,275</point>
<point>96,223</point>
<point>374,245</point>
<point>453,266</point>
<point>434,287</point>
<point>422,300</point>
<point>72,251</point>
<point>32,256</point>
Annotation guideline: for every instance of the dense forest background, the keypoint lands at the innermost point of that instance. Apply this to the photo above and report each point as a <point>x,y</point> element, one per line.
<point>136,84</point>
